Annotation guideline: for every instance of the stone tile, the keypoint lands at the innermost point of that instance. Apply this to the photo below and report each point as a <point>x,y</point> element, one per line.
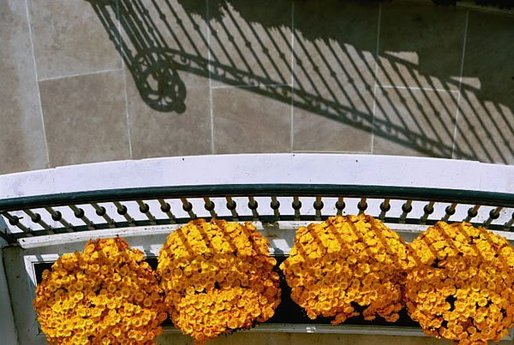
<point>421,45</point>
<point>164,32</point>
<point>339,128</point>
<point>251,120</point>
<point>165,50</point>
<point>85,118</point>
<point>22,139</point>
<point>335,44</point>
<point>69,38</point>
<point>486,119</point>
<point>414,122</point>
<point>485,130</point>
<point>334,67</point>
<point>171,133</point>
<point>250,42</point>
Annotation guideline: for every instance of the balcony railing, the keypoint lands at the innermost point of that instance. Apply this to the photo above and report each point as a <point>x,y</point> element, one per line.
<point>266,203</point>
<point>272,200</point>
<point>46,213</point>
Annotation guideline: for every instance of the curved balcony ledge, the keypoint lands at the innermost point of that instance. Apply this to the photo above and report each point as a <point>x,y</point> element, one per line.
<point>243,169</point>
<point>267,188</point>
<point>49,212</point>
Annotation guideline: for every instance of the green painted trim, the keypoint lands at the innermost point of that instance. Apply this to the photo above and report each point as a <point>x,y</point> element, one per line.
<point>325,190</point>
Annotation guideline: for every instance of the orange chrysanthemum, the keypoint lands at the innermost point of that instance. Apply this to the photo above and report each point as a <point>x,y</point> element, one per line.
<point>92,297</point>
<point>218,277</point>
<point>461,286</point>
<point>344,263</point>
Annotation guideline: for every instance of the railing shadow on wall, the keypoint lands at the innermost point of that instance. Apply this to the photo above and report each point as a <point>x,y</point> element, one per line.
<point>335,75</point>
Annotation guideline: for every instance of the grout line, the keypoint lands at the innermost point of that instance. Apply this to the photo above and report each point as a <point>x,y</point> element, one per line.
<point>460,83</point>
<point>228,86</point>
<point>40,103</point>
<point>82,74</point>
<point>376,79</point>
<point>127,113</point>
<point>122,63</point>
<point>292,77</point>
<point>417,88</point>
<point>209,58</point>
<point>373,118</point>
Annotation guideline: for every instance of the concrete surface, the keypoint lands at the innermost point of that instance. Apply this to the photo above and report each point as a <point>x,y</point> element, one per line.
<point>89,80</point>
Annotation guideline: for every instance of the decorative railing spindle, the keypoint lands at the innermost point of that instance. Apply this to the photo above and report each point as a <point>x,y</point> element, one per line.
<point>36,218</point>
<point>166,209</point>
<point>188,207</point>
<point>340,205</point>
<point>15,221</point>
<point>297,205</point>
<point>210,206</point>
<point>362,205</point>
<point>494,214</point>
<point>80,214</point>
<point>123,211</point>
<point>144,208</point>
<point>449,211</point>
<point>472,213</point>
<point>275,205</point>
<point>406,209</point>
<point>57,216</point>
<point>231,206</point>
<point>102,212</point>
<point>252,205</point>
<point>318,206</point>
<point>428,209</point>
<point>385,206</point>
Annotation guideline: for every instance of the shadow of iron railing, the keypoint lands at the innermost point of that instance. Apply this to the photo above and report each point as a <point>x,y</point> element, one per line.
<point>335,76</point>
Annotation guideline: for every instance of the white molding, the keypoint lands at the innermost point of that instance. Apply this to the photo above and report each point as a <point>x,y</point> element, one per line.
<point>262,168</point>
<point>337,329</point>
<point>280,234</point>
<point>326,329</point>
<point>31,260</point>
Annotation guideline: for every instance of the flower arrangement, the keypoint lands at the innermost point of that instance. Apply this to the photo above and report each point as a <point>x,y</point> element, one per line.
<point>218,277</point>
<point>461,284</point>
<point>106,294</point>
<point>456,280</point>
<point>346,266</point>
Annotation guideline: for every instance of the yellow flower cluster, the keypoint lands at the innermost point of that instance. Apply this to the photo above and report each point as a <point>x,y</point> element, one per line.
<point>218,277</point>
<point>104,295</point>
<point>347,264</point>
<point>461,283</point>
